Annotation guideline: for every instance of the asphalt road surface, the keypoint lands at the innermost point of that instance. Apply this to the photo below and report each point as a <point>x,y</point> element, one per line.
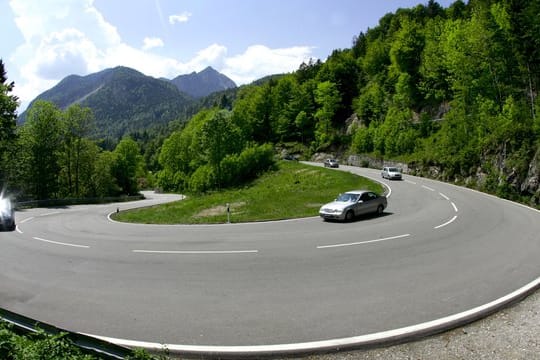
<point>440,253</point>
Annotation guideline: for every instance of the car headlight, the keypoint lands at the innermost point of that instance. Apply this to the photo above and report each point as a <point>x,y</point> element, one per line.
<point>5,208</point>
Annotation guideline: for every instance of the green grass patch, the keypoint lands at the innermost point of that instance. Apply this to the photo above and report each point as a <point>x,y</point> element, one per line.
<point>15,345</point>
<point>294,190</point>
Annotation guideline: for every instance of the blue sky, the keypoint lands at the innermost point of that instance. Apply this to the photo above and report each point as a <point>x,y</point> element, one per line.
<point>44,41</point>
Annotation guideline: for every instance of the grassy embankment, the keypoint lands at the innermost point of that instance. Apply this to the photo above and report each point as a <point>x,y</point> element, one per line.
<point>294,190</point>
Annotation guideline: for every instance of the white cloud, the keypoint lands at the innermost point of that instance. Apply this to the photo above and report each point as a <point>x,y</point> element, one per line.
<point>36,19</point>
<point>258,61</point>
<point>61,37</point>
<point>213,55</point>
<point>67,51</point>
<point>152,42</point>
<point>64,37</point>
<point>180,18</point>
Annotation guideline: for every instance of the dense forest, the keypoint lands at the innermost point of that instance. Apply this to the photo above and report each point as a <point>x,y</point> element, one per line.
<point>448,92</point>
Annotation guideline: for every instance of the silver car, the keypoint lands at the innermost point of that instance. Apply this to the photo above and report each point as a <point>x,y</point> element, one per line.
<point>7,215</point>
<point>332,163</point>
<point>352,204</point>
<point>391,173</point>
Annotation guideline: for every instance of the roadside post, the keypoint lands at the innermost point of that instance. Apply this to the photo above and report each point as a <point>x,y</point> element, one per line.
<point>228,214</point>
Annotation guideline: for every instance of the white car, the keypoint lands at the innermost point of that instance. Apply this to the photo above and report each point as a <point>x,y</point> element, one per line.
<point>353,203</point>
<point>391,173</point>
<point>331,163</point>
<point>7,215</point>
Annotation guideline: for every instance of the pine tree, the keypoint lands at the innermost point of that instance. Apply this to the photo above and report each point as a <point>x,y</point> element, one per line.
<point>8,118</point>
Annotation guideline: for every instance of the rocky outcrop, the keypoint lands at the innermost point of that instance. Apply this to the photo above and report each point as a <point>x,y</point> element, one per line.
<point>531,185</point>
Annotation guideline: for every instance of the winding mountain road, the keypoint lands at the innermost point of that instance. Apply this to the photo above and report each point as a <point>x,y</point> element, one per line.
<point>439,256</point>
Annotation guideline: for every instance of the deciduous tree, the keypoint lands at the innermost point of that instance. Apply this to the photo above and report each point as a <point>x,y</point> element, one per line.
<point>41,147</point>
<point>127,165</point>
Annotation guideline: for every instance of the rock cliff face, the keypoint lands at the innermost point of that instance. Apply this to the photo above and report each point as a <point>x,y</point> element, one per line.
<point>531,185</point>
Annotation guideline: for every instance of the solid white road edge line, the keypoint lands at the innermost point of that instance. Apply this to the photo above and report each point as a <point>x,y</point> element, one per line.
<point>191,252</point>
<point>437,325</point>
<point>256,223</point>
<point>61,243</point>
<point>446,223</point>
<point>363,242</point>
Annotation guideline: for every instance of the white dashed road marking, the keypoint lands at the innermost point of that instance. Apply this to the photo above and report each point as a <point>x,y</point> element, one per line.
<point>363,242</point>
<point>446,223</point>
<point>61,243</point>
<point>195,252</point>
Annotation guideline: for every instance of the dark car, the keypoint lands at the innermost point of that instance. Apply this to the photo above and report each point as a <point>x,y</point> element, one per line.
<point>7,215</point>
<point>333,163</point>
<point>290,157</point>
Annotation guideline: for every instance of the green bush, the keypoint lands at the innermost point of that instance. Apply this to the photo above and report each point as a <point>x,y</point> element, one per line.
<point>38,346</point>
<point>168,180</point>
<point>256,159</point>
<point>203,179</point>
<point>252,161</point>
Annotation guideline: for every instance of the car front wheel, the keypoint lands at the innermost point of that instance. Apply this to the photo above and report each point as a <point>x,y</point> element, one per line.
<point>349,216</point>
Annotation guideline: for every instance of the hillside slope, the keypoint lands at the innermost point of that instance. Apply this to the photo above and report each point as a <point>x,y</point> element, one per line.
<point>121,98</point>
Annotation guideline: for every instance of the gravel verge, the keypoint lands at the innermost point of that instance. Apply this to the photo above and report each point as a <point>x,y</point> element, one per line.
<point>510,334</point>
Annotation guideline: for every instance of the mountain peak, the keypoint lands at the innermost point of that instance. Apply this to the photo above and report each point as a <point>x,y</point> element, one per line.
<point>203,83</point>
<point>209,69</point>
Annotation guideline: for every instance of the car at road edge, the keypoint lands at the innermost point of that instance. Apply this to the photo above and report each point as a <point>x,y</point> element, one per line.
<point>391,173</point>
<point>332,163</point>
<point>7,215</point>
<point>354,203</point>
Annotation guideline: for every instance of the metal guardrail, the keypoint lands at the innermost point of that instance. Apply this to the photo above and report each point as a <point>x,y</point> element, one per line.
<point>97,347</point>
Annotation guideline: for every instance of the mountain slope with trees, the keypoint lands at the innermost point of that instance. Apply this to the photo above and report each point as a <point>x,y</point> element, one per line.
<point>122,100</point>
<point>448,92</point>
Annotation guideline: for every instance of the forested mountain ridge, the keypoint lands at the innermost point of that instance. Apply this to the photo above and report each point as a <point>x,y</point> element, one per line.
<point>124,100</point>
<point>131,101</point>
<point>73,89</point>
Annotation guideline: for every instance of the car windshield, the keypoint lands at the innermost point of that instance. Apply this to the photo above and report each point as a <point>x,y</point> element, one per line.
<point>393,169</point>
<point>347,197</point>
